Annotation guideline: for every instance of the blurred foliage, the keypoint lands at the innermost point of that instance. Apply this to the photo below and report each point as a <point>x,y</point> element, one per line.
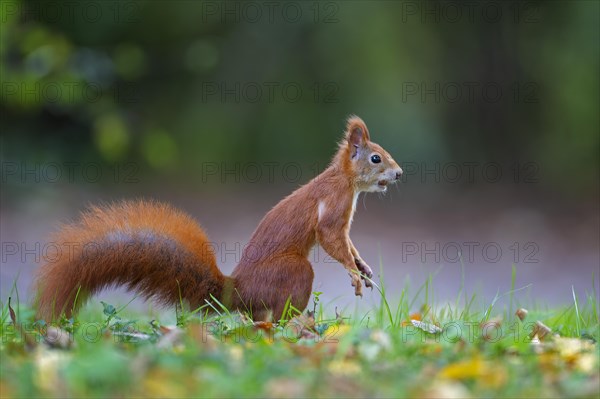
<point>172,84</point>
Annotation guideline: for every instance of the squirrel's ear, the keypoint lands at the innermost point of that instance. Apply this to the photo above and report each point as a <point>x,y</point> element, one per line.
<point>357,133</point>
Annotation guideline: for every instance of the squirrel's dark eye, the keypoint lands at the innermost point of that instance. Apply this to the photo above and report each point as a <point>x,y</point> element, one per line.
<point>375,158</point>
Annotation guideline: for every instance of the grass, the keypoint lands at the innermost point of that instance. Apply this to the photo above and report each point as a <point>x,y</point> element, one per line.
<point>412,347</point>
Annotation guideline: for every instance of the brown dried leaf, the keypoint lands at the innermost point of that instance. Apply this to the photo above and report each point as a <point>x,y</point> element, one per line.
<point>489,329</point>
<point>521,313</point>
<point>166,329</point>
<point>541,330</point>
<point>301,326</point>
<point>263,325</point>
<point>13,317</point>
<point>30,341</point>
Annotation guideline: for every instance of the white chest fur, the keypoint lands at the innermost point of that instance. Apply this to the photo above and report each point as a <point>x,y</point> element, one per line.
<point>321,210</point>
<point>354,199</point>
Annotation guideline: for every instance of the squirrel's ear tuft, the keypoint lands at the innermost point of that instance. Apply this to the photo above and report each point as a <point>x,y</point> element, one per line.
<point>356,131</point>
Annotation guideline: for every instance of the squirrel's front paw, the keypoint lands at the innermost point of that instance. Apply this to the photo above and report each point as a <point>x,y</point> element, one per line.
<point>356,283</point>
<point>366,271</point>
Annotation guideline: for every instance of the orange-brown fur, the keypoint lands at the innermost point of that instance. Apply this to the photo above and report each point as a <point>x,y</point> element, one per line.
<point>164,254</point>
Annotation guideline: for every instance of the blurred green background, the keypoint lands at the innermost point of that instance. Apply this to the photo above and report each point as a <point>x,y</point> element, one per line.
<point>171,85</point>
<point>223,108</point>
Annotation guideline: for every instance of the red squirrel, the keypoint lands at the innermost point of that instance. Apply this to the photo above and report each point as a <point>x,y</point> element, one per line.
<point>164,254</point>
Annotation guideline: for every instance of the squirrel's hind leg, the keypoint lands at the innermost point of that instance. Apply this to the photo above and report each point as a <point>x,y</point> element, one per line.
<point>271,288</point>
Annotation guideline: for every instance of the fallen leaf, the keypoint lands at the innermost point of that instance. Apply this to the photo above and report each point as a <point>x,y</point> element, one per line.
<point>475,369</point>
<point>540,330</point>
<point>577,353</point>
<point>301,326</point>
<point>13,317</point>
<point>521,313</point>
<point>166,329</point>
<point>263,325</point>
<point>285,388</point>
<point>491,329</point>
<point>335,331</point>
<point>344,367</point>
<point>587,363</point>
<point>427,327</point>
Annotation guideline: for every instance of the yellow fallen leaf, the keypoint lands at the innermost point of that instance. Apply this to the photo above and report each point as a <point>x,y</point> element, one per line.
<point>587,363</point>
<point>476,369</point>
<point>578,353</point>
<point>344,367</point>
<point>471,368</point>
<point>572,346</point>
<point>335,332</point>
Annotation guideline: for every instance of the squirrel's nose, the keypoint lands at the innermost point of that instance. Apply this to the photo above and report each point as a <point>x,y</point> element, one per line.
<point>399,174</point>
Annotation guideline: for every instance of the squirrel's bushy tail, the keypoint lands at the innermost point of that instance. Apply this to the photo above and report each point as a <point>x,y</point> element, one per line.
<point>149,247</point>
